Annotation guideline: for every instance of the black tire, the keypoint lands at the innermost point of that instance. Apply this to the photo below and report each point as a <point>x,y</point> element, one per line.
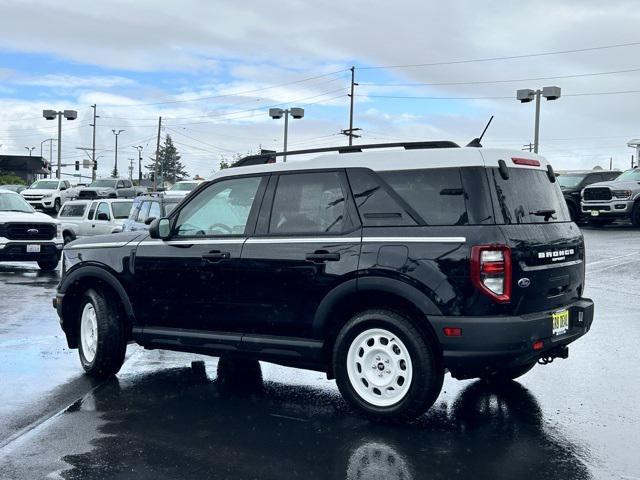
<point>505,375</point>
<point>56,206</point>
<point>574,213</point>
<point>68,237</point>
<point>635,214</point>
<point>427,370</point>
<point>111,341</point>
<point>240,375</point>
<point>49,264</point>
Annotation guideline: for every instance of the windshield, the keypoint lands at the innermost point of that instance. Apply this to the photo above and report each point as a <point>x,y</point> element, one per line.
<point>72,210</point>
<point>527,196</point>
<point>630,175</point>
<point>45,185</point>
<point>121,209</point>
<point>570,181</point>
<point>12,202</point>
<point>183,186</point>
<point>104,183</point>
<point>13,188</point>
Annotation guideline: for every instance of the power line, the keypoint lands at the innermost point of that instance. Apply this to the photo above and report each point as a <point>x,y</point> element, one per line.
<point>486,82</point>
<point>508,57</point>
<point>417,97</point>
<point>210,97</point>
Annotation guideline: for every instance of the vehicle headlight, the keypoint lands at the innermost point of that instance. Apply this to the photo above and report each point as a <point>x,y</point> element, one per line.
<point>46,195</point>
<point>102,193</point>
<point>621,193</point>
<point>59,230</point>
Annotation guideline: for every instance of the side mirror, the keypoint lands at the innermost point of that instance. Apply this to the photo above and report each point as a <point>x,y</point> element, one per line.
<point>63,188</point>
<point>149,220</point>
<point>160,228</point>
<point>103,216</point>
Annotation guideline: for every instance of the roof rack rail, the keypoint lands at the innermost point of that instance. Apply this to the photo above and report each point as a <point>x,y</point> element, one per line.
<point>270,157</point>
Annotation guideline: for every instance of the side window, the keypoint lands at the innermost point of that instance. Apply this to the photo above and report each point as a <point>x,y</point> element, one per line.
<point>154,210</point>
<point>126,184</point>
<point>221,209</point>
<point>120,184</point>
<point>92,210</point>
<point>375,205</point>
<point>143,212</point>
<point>308,203</point>
<point>103,208</point>
<point>435,194</point>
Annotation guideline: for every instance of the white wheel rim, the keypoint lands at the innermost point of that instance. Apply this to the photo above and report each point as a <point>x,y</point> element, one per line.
<point>379,367</point>
<point>89,332</point>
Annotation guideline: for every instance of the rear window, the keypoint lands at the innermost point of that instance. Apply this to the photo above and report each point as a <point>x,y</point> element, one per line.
<point>72,210</point>
<point>527,196</point>
<point>121,209</point>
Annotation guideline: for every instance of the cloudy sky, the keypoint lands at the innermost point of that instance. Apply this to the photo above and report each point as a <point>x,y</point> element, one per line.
<point>426,71</point>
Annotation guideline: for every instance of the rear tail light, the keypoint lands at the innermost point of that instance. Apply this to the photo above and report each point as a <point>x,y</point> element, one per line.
<point>491,271</point>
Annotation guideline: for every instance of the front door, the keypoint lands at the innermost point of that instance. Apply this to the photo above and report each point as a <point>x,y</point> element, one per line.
<point>307,242</point>
<point>189,281</point>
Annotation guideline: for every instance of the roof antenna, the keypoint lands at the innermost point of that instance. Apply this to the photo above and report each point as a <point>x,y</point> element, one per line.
<point>476,141</point>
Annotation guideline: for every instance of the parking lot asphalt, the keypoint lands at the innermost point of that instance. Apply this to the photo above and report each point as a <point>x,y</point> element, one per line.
<point>162,418</point>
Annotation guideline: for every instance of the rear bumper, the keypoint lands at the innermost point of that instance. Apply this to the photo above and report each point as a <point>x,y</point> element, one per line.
<point>489,343</point>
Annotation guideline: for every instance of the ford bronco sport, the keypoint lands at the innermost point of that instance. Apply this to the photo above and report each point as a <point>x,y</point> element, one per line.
<point>382,267</point>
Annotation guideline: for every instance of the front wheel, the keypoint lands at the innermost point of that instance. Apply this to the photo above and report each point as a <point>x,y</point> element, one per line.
<point>49,264</point>
<point>102,344</point>
<point>635,215</point>
<point>56,206</point>
<point>385,367</point>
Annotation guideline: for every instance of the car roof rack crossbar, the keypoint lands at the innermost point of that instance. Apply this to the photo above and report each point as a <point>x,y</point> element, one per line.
<point>270,157</point>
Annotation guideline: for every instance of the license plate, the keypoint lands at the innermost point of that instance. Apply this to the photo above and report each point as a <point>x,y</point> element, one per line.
<point>595,213</point>
<point>33,248</point>
<point>560,321</point>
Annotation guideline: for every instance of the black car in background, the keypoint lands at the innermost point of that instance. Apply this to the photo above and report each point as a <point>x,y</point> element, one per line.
<point>573,181</point>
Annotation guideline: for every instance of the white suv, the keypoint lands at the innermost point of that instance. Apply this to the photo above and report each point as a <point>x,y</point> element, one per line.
<point>27,235</point>
<point>48,194</point>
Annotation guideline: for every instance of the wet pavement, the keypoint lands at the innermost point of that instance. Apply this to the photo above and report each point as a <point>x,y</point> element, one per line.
<point>160,418</point>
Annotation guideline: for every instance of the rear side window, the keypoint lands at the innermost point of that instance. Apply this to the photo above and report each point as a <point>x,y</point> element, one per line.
<point>72,210</point>
<point>527,196</point>
<point>121,209</point>
<point>143,212</point>
<point>92,210</point>
<point>376,205</point>
<point>308,203</point>
<point>154,210</point>
<point>436,194</point>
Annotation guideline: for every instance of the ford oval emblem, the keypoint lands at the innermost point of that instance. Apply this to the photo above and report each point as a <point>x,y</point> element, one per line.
<point>33,231</point>
<point>524,282</point>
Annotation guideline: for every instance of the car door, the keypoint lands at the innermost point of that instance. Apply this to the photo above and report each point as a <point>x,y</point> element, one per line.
<point>102,220</point>
<point>307,242</point>
<point>86,227</point>
<point>189,281</point>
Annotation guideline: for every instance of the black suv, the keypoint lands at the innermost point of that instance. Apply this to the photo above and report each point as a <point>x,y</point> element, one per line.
<point>383,268</point>
<point>573,181</point>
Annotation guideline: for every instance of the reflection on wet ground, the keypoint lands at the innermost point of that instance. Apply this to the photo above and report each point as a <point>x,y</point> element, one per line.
<point>177,423</point>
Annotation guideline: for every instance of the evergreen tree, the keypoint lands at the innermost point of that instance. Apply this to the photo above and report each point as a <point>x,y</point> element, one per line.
<point>169,165</point>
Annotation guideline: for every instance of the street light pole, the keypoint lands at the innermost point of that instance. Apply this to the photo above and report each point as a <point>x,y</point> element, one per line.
<point>277,113</point>
<point>139,148</point>
<point>51,115</point>
<point>115,165</point>
<point>526,95</point>
<point>31,149</point>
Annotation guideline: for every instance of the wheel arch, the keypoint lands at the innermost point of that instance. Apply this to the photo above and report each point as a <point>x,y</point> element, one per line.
<point>367,293</point>
<point>79,281</point>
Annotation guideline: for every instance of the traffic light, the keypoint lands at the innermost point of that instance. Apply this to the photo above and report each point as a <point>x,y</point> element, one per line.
<point>77,165</point>
<point>95,165</point>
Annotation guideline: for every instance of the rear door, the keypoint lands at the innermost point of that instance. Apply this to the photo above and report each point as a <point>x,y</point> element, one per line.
<point>547,248</point>
<point>307,242</point>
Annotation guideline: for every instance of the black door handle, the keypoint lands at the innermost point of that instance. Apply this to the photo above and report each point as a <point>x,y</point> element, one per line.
<point>323,256</point>
<point>216,256</point>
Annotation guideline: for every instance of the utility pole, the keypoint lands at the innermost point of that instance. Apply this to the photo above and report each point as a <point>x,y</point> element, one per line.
<point>93,145</point>
<point>115,165</point>
<point>610,163</point>
<point>155,173</point>
<point>349,131</point>
<point>131,160</point>
<point>139,148</point>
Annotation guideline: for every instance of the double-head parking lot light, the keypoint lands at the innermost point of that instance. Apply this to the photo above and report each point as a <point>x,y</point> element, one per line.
<point>51,115</point>
<point>277,113</point>
<point>526,95</point>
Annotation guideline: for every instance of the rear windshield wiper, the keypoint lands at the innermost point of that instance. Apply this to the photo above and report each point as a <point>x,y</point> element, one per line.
<point>547,214</point>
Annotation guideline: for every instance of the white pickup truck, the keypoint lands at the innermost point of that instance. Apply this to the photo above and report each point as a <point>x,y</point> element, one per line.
<point>85,218</point>
<point>48,194</point>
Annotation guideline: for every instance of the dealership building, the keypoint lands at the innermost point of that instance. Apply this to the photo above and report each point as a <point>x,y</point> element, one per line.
<point>26,167</point>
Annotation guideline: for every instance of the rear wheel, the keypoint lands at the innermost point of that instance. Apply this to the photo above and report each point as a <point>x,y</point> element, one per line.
<point>504,375</point>
<point>102,344</point>
<point>48,264</point>
<point>385,367</point>
<point>635,215</point>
